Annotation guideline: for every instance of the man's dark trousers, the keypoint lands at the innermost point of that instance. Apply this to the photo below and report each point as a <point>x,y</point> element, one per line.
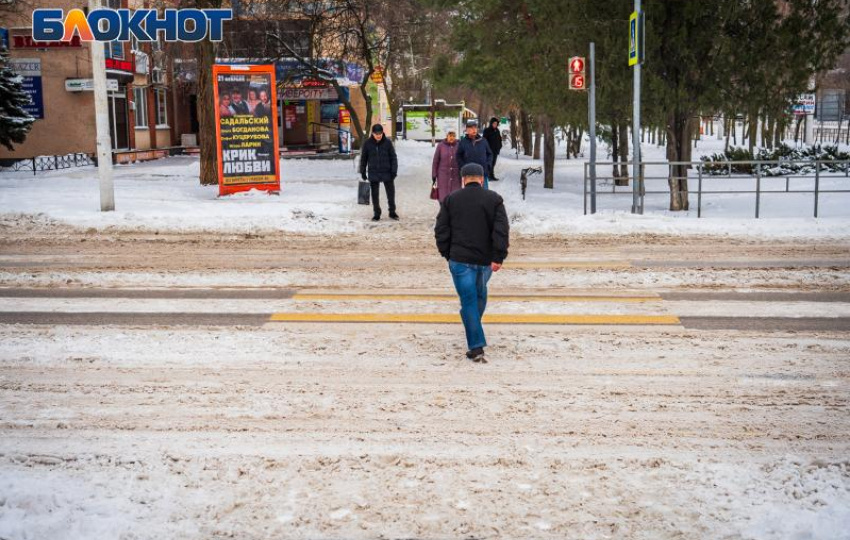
<point>389,185</point>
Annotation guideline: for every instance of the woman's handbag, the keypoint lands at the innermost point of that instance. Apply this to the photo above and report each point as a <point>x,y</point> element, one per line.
<point>435,192</point>
<point>364,191</point>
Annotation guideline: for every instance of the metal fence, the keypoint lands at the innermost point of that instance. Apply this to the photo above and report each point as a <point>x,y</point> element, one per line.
<point>50,163</point>
<point>750,177</point>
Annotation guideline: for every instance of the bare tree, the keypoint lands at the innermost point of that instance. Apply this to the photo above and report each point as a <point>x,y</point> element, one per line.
<point>341,32</point>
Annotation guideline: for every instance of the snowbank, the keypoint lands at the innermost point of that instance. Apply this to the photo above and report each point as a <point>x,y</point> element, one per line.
<point>319,197</point>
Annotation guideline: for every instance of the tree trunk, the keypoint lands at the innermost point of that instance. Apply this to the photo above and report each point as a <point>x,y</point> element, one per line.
<point>538,136</point>
<point>679,133</point>
<point>623,177</point>
<point>525,128</point>
<point>727,126</point>
<point>514,126</point>
<point>548,154</point>
<point>753,132</point>
<point>205,51</point>
<point>578,135</point>
<point>615,153</point>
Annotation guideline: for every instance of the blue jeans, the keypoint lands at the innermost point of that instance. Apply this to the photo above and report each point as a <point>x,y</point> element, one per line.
<point>471,285</point>
<point>486,182</point>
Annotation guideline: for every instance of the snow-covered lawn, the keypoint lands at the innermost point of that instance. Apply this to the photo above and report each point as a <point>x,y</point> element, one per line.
<point>319,197</point>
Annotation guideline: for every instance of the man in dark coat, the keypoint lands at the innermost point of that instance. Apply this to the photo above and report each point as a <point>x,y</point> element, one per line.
<point>473,148</point>
<point>472,233</point>
<point>494,139</point>
<point>379,165</point>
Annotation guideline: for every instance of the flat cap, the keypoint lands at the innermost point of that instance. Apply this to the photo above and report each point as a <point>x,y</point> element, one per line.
<point>472,169</point>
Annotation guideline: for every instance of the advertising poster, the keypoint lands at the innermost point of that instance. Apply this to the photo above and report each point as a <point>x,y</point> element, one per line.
<point>805,104</point>
<point>418,124</point>
<point>246,116</point>
<point>30,71</point>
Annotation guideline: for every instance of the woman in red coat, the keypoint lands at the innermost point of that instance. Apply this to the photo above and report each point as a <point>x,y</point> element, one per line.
<point>444,169</point>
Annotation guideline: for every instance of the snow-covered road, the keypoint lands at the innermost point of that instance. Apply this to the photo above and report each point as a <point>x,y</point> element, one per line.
<point>167,429</point>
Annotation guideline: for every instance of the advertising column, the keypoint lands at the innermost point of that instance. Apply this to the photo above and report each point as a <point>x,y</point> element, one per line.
<point>248,155</point>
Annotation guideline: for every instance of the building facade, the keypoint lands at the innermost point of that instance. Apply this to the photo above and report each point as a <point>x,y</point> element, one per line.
<point>58,77</point>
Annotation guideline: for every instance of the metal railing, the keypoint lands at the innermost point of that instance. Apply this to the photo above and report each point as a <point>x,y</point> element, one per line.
<point>707,173</point>
<point>50,163</point>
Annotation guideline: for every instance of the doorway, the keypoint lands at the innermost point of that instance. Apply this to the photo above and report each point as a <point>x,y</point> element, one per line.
<point>119,120</point>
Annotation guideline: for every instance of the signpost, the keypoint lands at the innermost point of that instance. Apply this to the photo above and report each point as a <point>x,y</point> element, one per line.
<point>248,154</point>
<point>635,59</point>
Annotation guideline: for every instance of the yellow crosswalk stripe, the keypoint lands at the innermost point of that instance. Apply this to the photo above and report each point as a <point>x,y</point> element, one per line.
<point>532,265</point>
<point>433,318</point>
<point>344,297</point>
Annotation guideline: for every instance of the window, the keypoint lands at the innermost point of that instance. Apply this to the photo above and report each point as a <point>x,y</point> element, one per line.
<point>140,98</point>
<point>114,49</point>
<point>161,108</point>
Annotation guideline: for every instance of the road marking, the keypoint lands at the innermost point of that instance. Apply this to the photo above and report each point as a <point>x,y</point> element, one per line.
<point>435,318</point>
<point>342,297</point>
<point>530,265</point>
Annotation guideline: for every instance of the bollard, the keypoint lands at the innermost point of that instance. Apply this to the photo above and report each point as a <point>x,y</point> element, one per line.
<point>699,193</point>
<point>817,185</point>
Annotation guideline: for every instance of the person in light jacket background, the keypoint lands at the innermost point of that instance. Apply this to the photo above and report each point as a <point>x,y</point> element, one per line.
<point>445,172</point>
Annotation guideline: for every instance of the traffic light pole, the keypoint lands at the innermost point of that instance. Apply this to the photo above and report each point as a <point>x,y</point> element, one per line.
<point>636,124</point>
<point>591,113</point>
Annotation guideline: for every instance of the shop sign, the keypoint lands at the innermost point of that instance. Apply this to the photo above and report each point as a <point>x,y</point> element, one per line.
<point>87,85</point>
<point>120,65</point>
<point>22,39</point>
<point>30,71</point>
<point>301,94</point>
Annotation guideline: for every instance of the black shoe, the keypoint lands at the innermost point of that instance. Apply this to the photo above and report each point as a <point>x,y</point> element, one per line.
<point>476,355</point>
<point>376,218</point>
<point>494,179</point>
<point>394,216</point>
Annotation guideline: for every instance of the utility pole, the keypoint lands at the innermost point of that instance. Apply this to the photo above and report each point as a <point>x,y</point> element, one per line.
<point>636,118</point>
<point>101,111</point>
<point>591,113</point>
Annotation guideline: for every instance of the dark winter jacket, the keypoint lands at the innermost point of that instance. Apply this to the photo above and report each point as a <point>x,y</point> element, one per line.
<point>240,108</point>
<point>494,138</point>
<point>379,160</point>
<point>472,227</point>
<point>475,150</point>
<point>444,168</point>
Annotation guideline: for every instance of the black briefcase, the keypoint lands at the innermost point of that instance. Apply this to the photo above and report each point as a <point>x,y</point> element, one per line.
<point>364,192</point>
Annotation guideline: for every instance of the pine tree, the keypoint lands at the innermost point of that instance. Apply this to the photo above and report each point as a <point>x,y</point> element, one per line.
<point>15,122</point>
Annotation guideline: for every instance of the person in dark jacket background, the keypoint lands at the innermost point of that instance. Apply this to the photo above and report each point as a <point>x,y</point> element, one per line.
<point>379,165</point>
<point>494,139</point>
<point>472,233</point>
<point>473,148</point>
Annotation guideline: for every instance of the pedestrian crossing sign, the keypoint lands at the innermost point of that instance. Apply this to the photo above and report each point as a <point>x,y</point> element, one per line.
<point>634,39</point>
